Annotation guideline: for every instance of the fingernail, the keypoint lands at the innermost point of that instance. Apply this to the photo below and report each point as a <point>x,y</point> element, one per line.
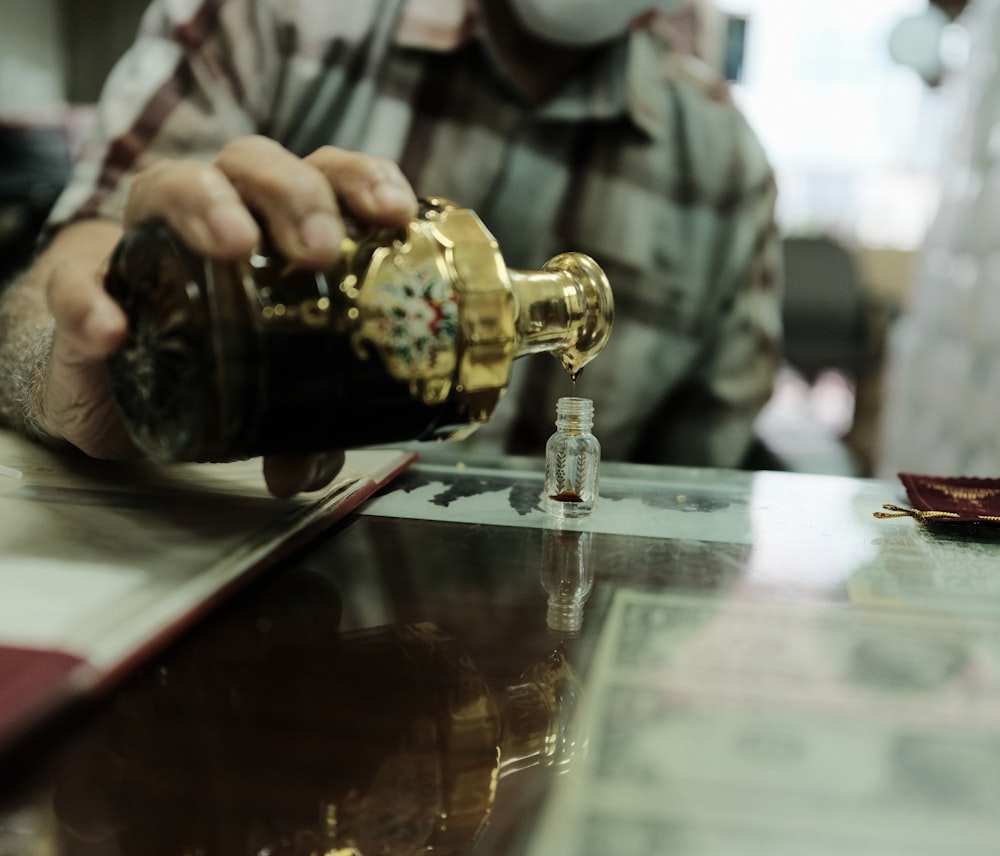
<point>321,232</point>
<point>231,225</point>
<point>394,197</point>
<point>316,476</point>
<point>324,469</point>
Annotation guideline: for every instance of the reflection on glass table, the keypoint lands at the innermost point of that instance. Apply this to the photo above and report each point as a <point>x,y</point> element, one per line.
<point>279,734</point>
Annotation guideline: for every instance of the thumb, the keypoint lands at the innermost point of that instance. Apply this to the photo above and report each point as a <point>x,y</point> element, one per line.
<point>90,325</point>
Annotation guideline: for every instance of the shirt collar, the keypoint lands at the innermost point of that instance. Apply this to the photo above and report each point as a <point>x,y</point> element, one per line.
<point>647,93</point>
<point>623,84</point>
<point>435,25</point>
<point>620,84</point>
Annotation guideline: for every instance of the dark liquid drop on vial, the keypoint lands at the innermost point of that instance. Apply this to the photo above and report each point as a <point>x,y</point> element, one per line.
<point>571,364</point>
<point>567,496</point>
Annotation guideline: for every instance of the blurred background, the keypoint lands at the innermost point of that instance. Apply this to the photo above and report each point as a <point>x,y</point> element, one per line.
<point>851,101</point>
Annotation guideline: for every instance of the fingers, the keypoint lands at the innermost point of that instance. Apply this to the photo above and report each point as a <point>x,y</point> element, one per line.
<point>287,475</point>
<point>290,195</point>
<point>199,203</point>
<point>373,189</point>
<point>213,206</point>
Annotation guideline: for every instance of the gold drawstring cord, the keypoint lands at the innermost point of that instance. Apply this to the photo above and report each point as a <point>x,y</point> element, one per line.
<point>893,511</point>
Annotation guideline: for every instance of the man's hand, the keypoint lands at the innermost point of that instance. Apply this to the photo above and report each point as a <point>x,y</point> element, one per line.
<point>299,200</point>
<point>215,209</point>
<point>74,401</point>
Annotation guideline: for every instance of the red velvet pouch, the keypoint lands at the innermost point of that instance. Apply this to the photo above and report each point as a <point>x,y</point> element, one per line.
<point>942,499</point>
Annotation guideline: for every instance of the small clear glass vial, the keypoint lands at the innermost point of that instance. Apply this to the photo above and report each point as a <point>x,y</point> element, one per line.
<point>572,460</point>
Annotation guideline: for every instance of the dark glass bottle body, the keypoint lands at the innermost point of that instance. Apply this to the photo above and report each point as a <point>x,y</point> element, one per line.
<point>410,337</point>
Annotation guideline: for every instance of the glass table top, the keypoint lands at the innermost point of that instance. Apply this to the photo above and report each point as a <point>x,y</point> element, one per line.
<point>714,662</point>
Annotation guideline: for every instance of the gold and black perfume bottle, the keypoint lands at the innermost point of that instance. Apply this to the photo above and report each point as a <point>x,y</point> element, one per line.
<point>411,336</point>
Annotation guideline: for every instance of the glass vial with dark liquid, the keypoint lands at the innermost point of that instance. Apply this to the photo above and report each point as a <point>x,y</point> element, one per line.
<point>572,460</point>
<point>410,337</point>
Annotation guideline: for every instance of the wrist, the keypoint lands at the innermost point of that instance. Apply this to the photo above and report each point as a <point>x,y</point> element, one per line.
<point>31,384</point>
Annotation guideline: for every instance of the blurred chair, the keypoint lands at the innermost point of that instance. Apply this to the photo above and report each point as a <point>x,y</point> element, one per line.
<point>34,167</point>
<point>825,312</point>
<point>810,423</point>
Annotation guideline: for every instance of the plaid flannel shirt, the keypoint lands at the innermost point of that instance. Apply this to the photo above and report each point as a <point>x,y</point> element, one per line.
<point>642,161</point>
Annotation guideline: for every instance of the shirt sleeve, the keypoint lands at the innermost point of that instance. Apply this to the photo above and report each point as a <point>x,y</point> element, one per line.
<point>713,416</point>
<point>200,73</point>
<point>709,418</point>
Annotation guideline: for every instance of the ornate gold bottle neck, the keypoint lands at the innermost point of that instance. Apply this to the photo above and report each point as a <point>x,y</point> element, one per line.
<point>565,308</point>
<point>448,267</point>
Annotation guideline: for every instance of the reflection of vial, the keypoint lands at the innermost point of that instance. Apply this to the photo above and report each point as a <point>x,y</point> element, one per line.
<point>572,460</point>
<point>567,577</point>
